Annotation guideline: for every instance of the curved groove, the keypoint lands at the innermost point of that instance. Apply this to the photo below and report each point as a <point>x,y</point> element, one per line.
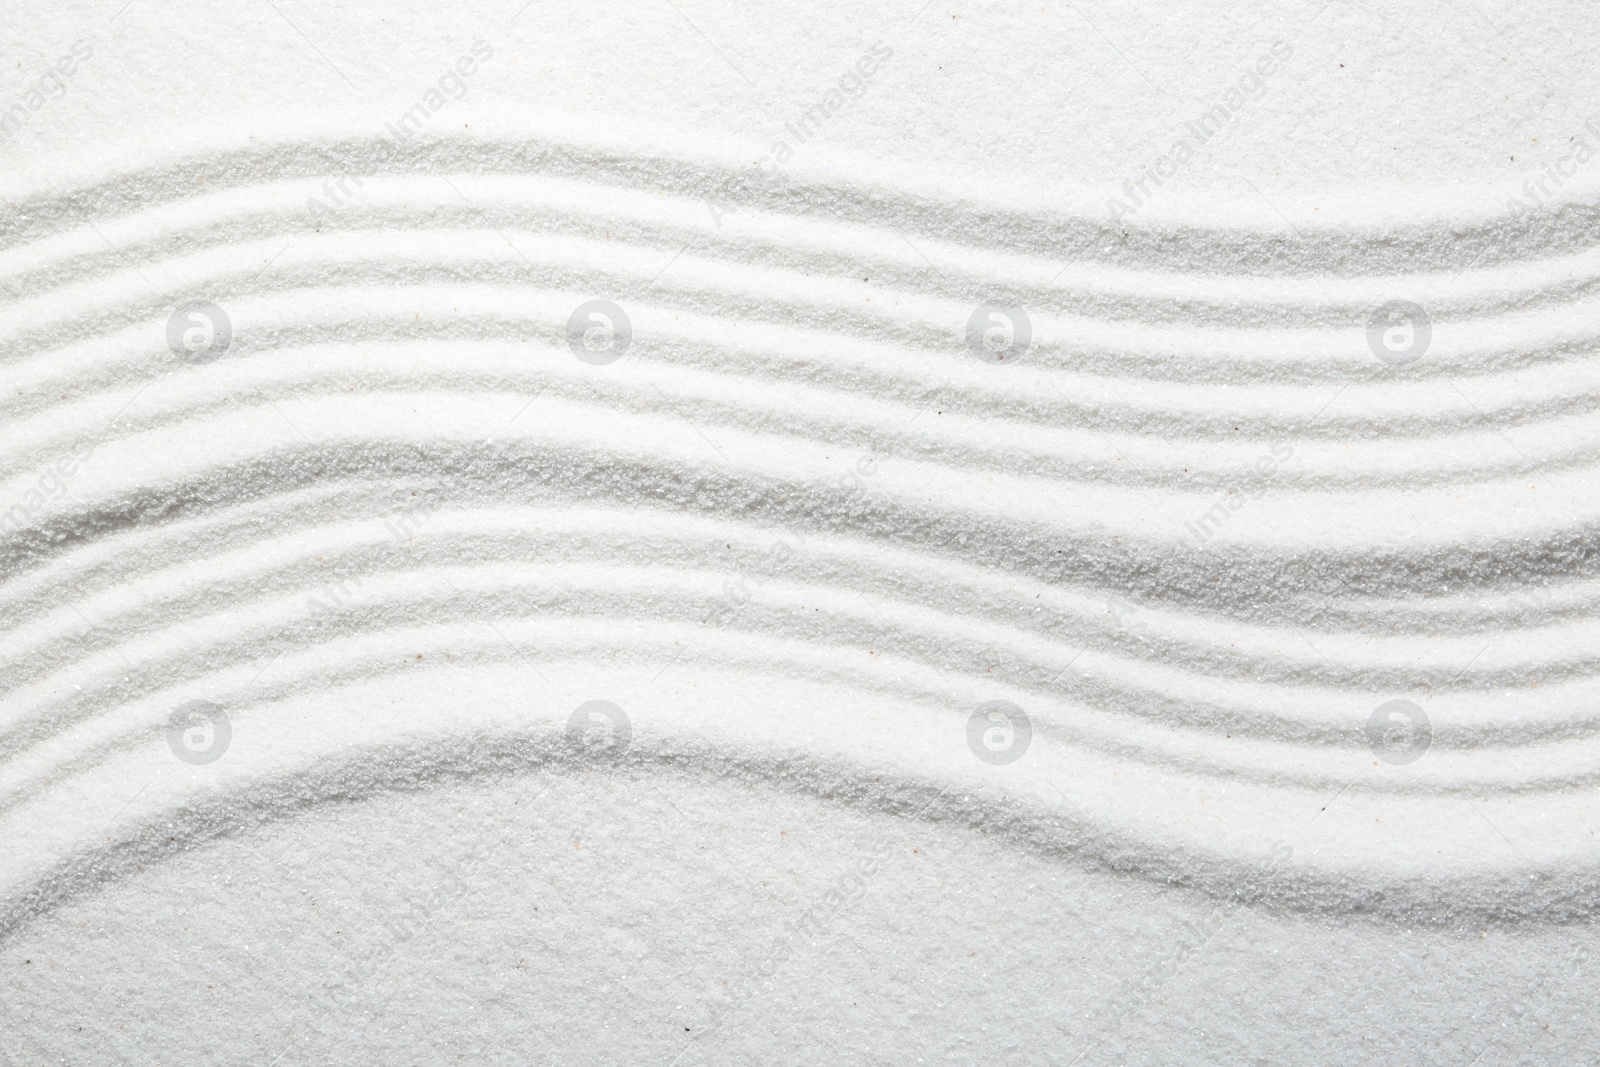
<point>1560,896</point>
<point>1560,228</point>
<point>885,428</point>
<point>1194,646</point>
<point>1216,578</point>
<point>1171,357</point>
<point>1198,348</point>
<point>1082,294</point>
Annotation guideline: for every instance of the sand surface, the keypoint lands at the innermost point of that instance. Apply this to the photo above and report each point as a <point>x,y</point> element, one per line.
<point>696,534</point>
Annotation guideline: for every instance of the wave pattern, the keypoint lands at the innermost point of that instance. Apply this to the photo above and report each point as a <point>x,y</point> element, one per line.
<point>1199,530</point>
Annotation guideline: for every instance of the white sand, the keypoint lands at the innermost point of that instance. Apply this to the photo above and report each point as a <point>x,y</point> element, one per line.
<point>967,535</point>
